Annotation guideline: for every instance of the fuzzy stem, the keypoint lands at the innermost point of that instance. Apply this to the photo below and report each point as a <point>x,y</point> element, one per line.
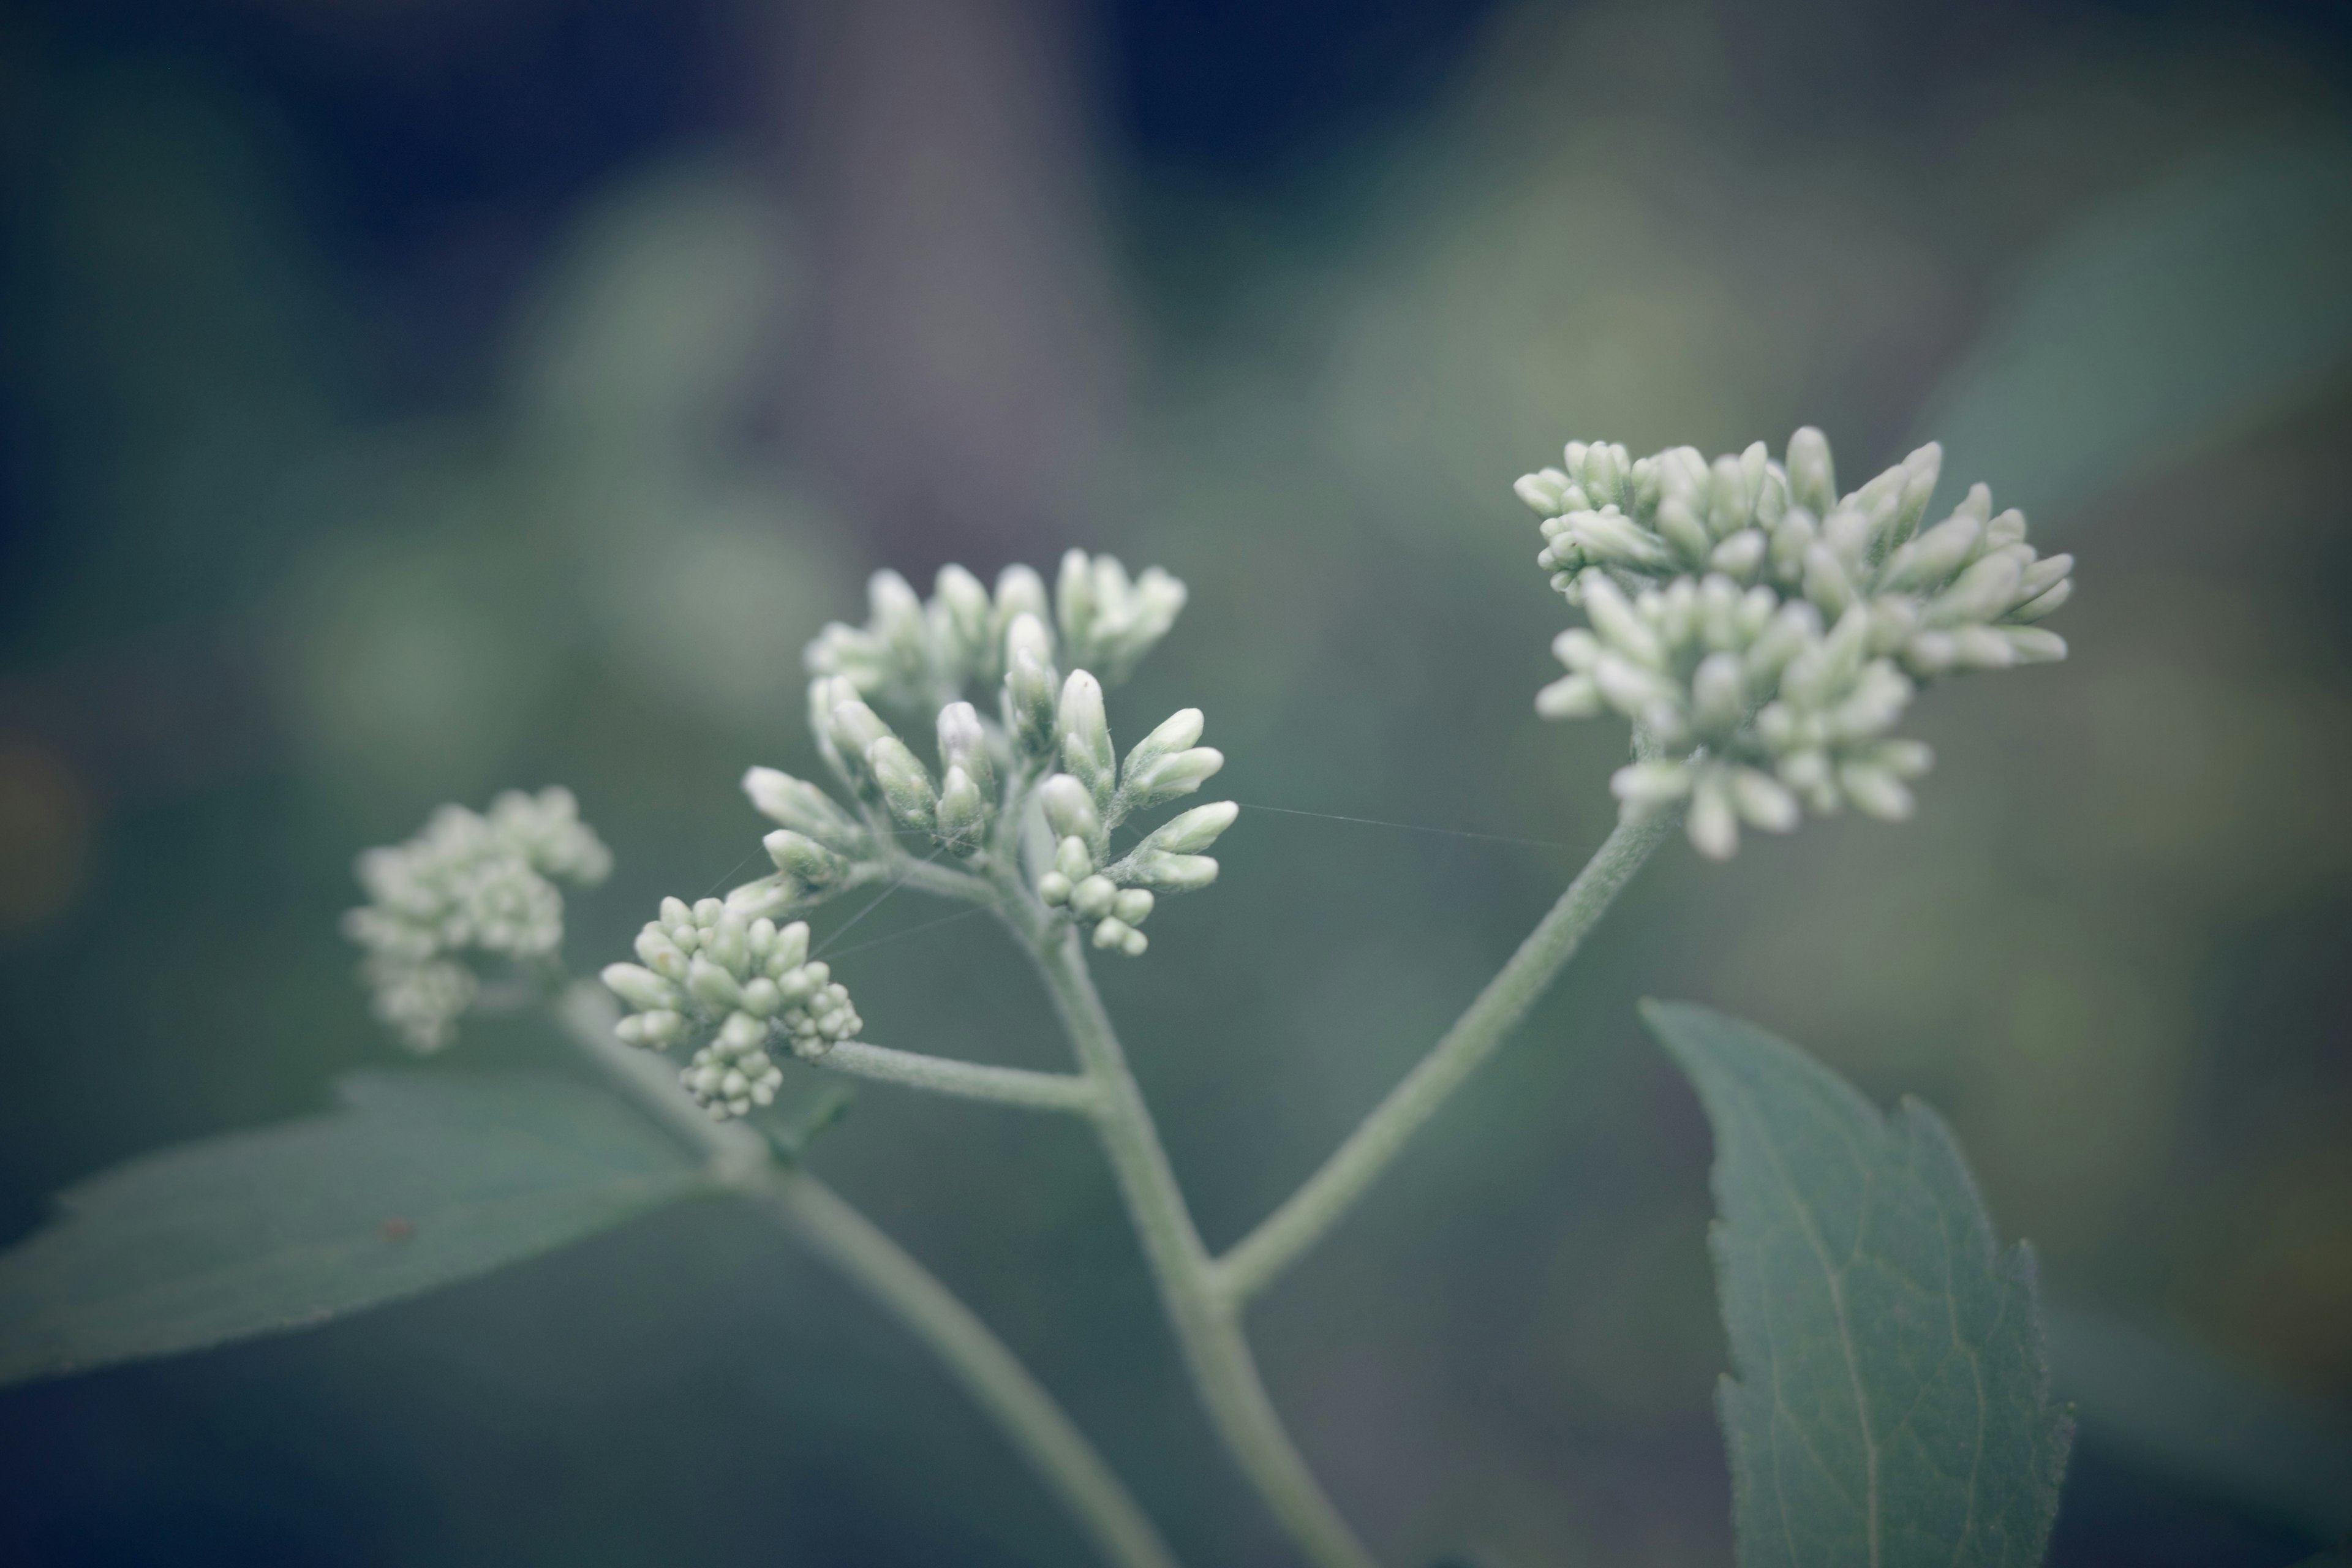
<point>995,1380</point>
<point>1331,1191</point>
<point>1205,1317</point>
<point>944,1075</point>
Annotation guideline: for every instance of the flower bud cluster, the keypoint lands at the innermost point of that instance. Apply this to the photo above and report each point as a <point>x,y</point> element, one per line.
<point>467,885</point>
<point>1764,633</point>
<point>914,656</point>
<point>1097,792</point>
<point>708,974</point>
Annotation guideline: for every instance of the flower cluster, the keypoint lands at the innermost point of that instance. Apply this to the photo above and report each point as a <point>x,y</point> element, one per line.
<point>709,974</point>
<point>1764,633</point>
<point>915,656</point>
<point>467,884</point>
<point>989,766</point>
<point>1096,794</point>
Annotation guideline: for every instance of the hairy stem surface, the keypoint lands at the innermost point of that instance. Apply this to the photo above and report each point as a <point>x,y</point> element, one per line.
<point>1016,1087</point>
<point>1205,1317</point>
<point>822,1220</point>
<point>1331,1191</point>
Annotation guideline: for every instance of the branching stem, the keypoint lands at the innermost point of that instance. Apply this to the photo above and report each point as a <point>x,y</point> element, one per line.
<point>1001,1086</point>
<point>1331,1191</point>
<point>996,1381</point>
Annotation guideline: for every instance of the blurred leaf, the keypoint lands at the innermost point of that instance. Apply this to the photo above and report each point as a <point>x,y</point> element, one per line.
<point>1891,1405</point>
<point>2211,300</point>
<point>422,1180</point>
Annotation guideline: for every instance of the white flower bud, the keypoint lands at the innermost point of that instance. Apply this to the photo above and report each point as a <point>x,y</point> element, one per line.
<point>1763,800</point>
<point>1074,859</point>
<point>1876,791</point>
<point>711,985</point>
<point>1615,622</point>
<point>1545,491</point>
<point>1179,731</point>
<point>1069,808</point>
<point>1570,697</point>
<point>959,617</point>
<point>1718,692</point>
<point>1093,897</point>
<point>1172,873</point>
<point>1644,786</point>
<point>963,743</point>
<point>1188,833</point>
<point>905,782</point>
<point>802,807</point>
<point>804,859</point>
<point>2032,644</point>
<point>2035,608</point>
<point>1085,735</point>
<point>1074,601</point>
<point>1053,889</point>
<point>1713,825</point>
<point>1118,934</point>
<point>1812,476</point>
<point>1739,556</point>
<point>1169,777</point>
<point>1934,556</point>
<point>1029,685</point>
<point>962,811</point>
<point>640,988</point>
<point>1133,905</point>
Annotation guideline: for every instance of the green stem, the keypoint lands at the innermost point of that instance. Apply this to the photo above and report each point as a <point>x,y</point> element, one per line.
<point>1206,1318</point>
<point>996,1381</point>
<point>944,1075</point>
<point>1331,1191</point>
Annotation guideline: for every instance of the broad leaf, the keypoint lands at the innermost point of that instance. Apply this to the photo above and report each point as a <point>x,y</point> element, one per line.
<point>422,1179</point>
<point>1891,1405</point>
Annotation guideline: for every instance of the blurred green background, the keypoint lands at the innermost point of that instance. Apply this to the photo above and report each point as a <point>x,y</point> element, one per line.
<point>406,401</point>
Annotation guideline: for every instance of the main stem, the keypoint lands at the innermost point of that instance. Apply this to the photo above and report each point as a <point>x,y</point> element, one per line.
<point>1352,1168</point>
<point>821,1218</point>
<point>1206,1316</point>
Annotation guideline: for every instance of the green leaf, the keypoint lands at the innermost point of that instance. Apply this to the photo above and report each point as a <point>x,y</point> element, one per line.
<point>1892,1403</point>
<point>2202,304</point>
<point>423,1179</point>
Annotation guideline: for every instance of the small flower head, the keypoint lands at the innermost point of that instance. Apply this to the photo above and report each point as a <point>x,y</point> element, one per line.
<point>468,887</point>
<point>1765,635</point>
<point>731,986</point>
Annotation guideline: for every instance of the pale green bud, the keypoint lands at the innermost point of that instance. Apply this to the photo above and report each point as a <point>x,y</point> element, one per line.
<point>1763,800</point>
<point>1189,832</point>
<point>1616,623</point>
<point>1876,791</point>
<point>855,728</point>
<point>661,954</point>
<point>963,743</point>
<point>1133,906</point>
<point>959,618</point>
<point>1934,556</point>
<point>1611,538</point>
<point>1739,556</point>
<point>761,998</point>
<point>1172,873</point>
<point>962,811</point>
<point>1718,692</point>
<point>1053,889</point>
<point>711,985</point>
<point>1712,824</point>
<point>1177,732</point>
<point>2033,645</point>
<point>1978,593</point>
<point>1069,808</point>
<point>905,782</point>
<point>640,988</point>
<point>1093,897</point>
<point>1074,859</point>
<point>804,859</point>
<point>806,809</point>
<point>1644,786</point>
<point>898,616</point>
<point>1570,697</point>
<point>1085,734</point>
<point>1812,476</point>
<point>1169,777</point>
<point>1545,492</point>
<point>1117,934</point>
<point>1029,686</point>
<point>1073,600</point>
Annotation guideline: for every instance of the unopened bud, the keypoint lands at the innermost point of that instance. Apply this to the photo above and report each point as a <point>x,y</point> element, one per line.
<point>1069,808</point>
<point>1188,833</point>
<point>905,782</point>
<point>1085,734</point>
